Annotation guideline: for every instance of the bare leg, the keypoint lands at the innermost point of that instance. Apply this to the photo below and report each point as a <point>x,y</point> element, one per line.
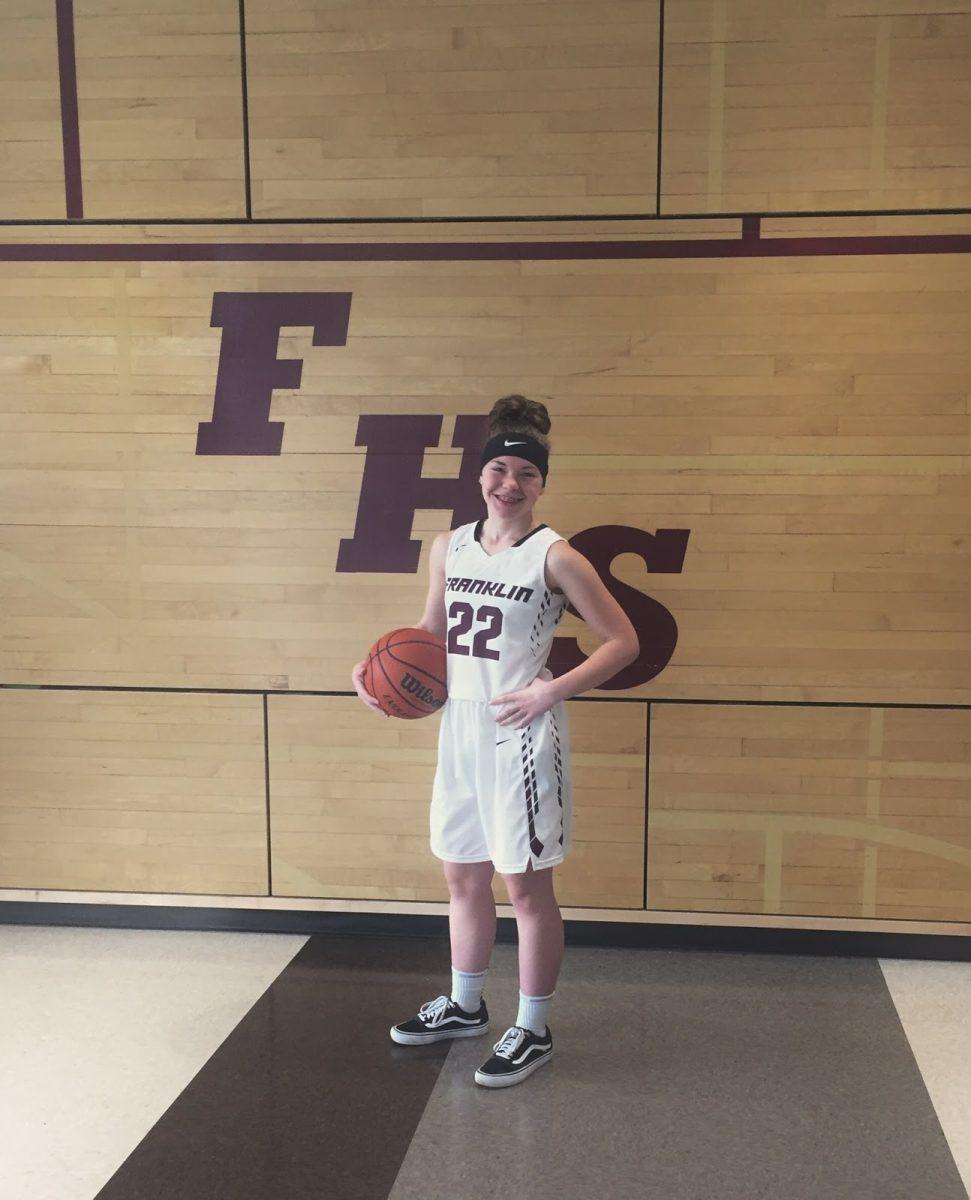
<point>540,930</point>
<point>471,914</point>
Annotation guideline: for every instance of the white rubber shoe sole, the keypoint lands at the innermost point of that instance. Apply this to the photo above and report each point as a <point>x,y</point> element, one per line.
<point>422,1039</point>
<point>501,1081</point>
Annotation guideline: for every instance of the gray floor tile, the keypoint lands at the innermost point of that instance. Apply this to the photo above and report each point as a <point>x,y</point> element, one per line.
<point>685,1076</point>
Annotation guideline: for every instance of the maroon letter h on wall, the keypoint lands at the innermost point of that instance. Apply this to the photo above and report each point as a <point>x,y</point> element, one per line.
<point>393,488</point>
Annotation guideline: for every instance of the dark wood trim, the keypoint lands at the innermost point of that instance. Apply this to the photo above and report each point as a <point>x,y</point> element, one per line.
<point>70,128</point>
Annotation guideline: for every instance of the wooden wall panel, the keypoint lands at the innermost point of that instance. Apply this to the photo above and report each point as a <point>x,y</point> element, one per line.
<point>298,231</point>
<point>31,152</point>
<point>414,109</point>
<point>160,108</point>
<point>806,420</point>
<point>418,110</point>
<point>605,868</point>
<point>350,793</point>
<point>814,107</point>
<point>858,225</point>
<point>924,791</point>
<point>349,796</point>
<point>136,793</point>
<point>810,811</point>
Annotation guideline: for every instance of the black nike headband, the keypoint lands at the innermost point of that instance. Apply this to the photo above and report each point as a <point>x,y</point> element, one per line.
<point>517,445</point>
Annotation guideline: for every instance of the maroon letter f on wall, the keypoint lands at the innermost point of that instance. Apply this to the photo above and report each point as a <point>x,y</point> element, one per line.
<point>249,369</point>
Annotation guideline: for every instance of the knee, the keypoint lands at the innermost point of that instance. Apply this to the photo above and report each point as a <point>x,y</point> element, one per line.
<point>528,902</point>
<point>469,881</point>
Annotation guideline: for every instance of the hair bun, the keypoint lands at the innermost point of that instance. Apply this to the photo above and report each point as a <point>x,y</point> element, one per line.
<point>516,414</point>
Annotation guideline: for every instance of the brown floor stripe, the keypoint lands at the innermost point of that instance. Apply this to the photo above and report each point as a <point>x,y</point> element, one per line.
<point>308,1097</point>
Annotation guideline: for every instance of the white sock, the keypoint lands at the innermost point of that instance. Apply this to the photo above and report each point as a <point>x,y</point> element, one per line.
<point>533,1011</point>
<point>467,989</point>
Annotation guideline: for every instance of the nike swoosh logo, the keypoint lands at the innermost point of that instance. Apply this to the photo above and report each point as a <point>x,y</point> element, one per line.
<point>514,443</point>
<point>503,742</point>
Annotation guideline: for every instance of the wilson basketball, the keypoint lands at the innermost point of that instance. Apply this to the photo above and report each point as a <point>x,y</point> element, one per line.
<point>405,673</point>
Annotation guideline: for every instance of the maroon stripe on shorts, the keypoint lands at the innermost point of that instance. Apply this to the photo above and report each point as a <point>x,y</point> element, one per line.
<point>558,768</point>
<point>531,789</point>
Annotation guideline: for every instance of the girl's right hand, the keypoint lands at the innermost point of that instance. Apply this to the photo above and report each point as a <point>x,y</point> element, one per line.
<point>357,678</point>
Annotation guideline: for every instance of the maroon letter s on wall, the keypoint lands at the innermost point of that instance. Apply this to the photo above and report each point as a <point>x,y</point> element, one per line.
<point>662,552</point>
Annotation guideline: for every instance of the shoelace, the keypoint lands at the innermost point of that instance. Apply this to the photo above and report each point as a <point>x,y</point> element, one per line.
<point>433,1012</point>
<point>510,1042</point>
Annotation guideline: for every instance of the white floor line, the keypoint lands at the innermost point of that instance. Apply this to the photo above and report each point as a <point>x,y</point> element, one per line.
<point>100,1030</point>
<point>933,1001</point>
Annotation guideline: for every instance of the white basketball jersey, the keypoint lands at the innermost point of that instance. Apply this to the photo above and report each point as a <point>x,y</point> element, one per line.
<point>500,614</point>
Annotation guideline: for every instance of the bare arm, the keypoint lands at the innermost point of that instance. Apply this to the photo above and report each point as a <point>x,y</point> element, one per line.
<point>568,570</point>
<point>433,618</point>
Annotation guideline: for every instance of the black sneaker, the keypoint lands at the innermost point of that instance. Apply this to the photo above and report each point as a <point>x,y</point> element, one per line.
<point>440,1019</point>
<point>517,1054</point>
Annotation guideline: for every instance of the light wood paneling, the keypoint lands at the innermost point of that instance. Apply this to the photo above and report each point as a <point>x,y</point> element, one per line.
<point>805,419</point>
<point>143,792</point>
<point>31,153</point>
<point>923,790</point>
<point>815,106</point>
<point>414,109</point>
<point>160,108</point>
<point>350,793</point>
<point>811,812</point>
<point>903,225</point>
<point>593,229</point>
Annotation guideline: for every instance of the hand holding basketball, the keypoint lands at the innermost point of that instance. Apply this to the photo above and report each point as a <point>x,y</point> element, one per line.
<point>403,674</point>
<point>357,678</point>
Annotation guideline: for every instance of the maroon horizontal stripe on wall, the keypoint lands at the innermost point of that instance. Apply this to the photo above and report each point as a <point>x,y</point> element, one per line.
<point>745,247</point>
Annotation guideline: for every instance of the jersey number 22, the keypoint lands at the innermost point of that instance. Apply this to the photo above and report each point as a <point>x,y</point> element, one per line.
<point>488,616</point>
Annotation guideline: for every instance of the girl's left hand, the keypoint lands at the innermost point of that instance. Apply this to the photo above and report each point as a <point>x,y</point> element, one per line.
<point>524,706</point>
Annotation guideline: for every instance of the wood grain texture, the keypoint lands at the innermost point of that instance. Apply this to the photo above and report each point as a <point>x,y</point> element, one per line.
<point>811,812</point>
<point>350,793</point>
<point>31,152</point>
<point>815,106</point>
<point>415,109</point>
<point>160,106</point>
<point>805,419</point>
<point>148,792</point>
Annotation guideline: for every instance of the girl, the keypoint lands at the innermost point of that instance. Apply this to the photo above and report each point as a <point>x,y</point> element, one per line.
<point>502,798</point>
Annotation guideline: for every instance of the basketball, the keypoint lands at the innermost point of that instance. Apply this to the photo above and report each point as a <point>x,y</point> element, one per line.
<point>405,673</point>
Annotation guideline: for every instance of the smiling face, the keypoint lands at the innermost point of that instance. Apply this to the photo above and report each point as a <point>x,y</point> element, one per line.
<point>510,486</point>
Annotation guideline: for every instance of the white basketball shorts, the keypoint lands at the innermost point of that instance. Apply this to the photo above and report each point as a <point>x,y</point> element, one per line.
<point>501,794</point>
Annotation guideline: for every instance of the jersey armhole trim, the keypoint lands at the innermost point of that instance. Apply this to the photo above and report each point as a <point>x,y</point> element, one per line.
<point>450,546</point>
<point>554,590</point>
